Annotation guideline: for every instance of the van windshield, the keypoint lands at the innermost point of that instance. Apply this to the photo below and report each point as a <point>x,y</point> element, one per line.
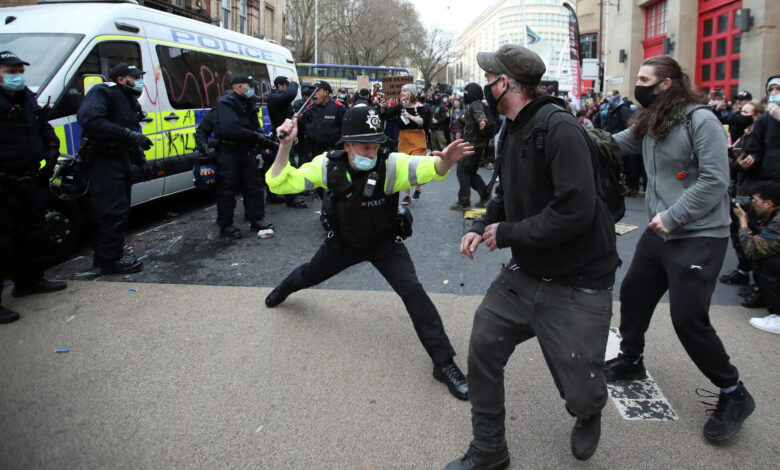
<point>45,52</point>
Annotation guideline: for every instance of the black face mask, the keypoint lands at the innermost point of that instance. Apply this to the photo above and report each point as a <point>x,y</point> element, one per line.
<point>742,120</point>
<point>492,100</point>
<point>644,95</point>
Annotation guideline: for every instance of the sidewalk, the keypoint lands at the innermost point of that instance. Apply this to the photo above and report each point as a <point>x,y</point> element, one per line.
<point>177,376</point>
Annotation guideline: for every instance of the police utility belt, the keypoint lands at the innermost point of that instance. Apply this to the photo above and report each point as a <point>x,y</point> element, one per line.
<point>92,148</point>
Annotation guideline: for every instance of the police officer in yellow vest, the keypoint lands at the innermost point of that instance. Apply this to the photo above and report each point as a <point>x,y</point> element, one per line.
<point>364,183</point>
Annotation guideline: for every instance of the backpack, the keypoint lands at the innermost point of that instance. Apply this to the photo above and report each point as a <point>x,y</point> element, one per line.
<point>491,123</point>
<point>609,187</point>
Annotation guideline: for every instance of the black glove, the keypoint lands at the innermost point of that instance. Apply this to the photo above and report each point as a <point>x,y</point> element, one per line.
<point>266,143</point>
<point>206,151</point>
<point>138,139</point>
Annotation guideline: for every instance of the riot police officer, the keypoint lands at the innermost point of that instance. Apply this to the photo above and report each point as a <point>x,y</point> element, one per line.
<point>27,139</point>
<point>238,131</point>
<point>203,132</point>
<point>364,185</point>
<point>110,145</point>
<point>280,108</point>
<point>320,125</point>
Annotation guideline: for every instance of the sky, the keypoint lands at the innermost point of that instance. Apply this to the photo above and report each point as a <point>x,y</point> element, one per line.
<point>450,15</point>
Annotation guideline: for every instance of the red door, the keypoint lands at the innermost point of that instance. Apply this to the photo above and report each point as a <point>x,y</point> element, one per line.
<point>718,46</point>
<point>655,29</point>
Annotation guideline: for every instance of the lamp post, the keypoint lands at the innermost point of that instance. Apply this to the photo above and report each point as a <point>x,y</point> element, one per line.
<point>316,39</point>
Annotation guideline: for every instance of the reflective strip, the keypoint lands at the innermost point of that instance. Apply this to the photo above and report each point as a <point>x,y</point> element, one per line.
<point>413,170</point>
<point>391,171</point>
<point>307,184</point>
<point>59,131</point>
<point>325,171</point>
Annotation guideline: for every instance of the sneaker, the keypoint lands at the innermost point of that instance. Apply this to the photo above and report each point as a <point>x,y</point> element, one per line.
<point>128,264</point>
<point>745,291</point>
<point>623,368</point>
<point>729,413</point>
<point>41,286</point>
<point>476,459</point>
<point>585,437</point>
<point>450,375</point>
<point>416,194</point>
<point>735,277</point>
<point>754,300</point>
<point>482,202</point>
<point>7,315</point>
<point>230,232</point>
<point>407,200</point>
<point>770,323</point>
<point>260,225</point>
<point>460,207</point>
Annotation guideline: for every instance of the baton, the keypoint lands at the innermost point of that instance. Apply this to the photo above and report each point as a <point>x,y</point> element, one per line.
<point>283,134</point>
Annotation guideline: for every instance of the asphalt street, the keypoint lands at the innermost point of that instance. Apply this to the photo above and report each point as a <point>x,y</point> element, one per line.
<point>182,365</point>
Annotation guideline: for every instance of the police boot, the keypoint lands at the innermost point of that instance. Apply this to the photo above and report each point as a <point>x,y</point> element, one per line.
<point>476,459</point>
<point>7,315</point>
<point>277,296</point>
<point>450,375</point>
<point>128,264</point>
<point>260,225</point>
<point>41,286</point>
<point>585,437</point>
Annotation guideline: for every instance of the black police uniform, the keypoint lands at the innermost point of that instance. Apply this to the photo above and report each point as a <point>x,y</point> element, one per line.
<point>320,128</point>
<point>204,131</point>
<point>280,104</point>
<point>238,130</point>
<point>27,138</point>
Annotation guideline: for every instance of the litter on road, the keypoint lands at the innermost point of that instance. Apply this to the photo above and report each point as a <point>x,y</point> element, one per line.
<point>67,322</point>
<point>61,351</point>
<point>133,289</point>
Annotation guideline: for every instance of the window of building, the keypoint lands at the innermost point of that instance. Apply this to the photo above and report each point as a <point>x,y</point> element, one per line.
<point>718,46</point>
<point>589,46</point>
<point>655,28</point>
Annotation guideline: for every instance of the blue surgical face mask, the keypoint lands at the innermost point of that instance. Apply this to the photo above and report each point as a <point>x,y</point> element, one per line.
<point>772,98</point>
<point>13,82</point>
<point>364,163</point>
<point>138,85</point>
<point>250,93</point>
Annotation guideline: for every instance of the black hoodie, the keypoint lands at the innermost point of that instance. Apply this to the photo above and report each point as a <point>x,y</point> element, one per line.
<point>764,145</point>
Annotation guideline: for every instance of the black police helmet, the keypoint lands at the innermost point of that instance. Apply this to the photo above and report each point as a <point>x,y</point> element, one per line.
<point>362,124</point>
<point>69,180</point>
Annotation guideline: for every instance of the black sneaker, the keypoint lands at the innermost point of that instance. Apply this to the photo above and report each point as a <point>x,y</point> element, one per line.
<point>754,300</point>
<point>585,437</point>
<point>7,315</point>
<point>406,201</point>
<point>42,286</point>
<point>735,277</point>
<point>745,291</point>
<point>623,368</point>
<point>276,297</point>
<point>128,264</point>
<point>450,375</point>
<point>729,413</point>
<point>260,225</point>
<point>230,232</point>
<point>476,459</point>
<point>416,194</point>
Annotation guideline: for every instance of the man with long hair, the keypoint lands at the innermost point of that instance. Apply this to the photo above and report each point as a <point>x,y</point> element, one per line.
<point>685,155</point>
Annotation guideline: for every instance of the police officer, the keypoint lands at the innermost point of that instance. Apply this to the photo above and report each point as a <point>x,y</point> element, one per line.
<point>320,124</point>
<point>27,139</point>
<point>238,131</point>
<point>111,144</point>
<point>204,144</point>
<point>280,108</point>
<point>364,184</point>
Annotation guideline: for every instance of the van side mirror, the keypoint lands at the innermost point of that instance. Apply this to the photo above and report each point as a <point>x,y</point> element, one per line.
<point>91,80</point>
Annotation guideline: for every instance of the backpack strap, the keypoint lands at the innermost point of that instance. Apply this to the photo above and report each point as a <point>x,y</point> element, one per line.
<point>539,131</point>
<point>689,130</point>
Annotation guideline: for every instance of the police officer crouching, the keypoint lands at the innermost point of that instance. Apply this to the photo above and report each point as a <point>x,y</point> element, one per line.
<point>364,185</point>
<point>111,144</point>
<point>238,131</point>
<point>27,139</point>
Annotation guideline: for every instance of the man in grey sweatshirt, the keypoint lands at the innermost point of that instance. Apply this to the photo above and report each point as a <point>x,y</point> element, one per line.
<point>683,146</point>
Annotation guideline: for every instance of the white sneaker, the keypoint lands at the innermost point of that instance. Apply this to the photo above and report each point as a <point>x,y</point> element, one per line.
<point>770,323</point>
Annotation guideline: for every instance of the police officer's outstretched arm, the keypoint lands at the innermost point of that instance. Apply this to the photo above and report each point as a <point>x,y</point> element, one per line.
<point>290,127</point>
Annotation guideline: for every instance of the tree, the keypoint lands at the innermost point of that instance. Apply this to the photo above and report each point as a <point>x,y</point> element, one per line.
<point>300,25</point>
<point>431,53</point>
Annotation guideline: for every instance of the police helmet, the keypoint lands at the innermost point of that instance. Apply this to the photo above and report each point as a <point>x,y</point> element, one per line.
<point>204,174</point>
<point>362,124</point>
<point>69,180</point>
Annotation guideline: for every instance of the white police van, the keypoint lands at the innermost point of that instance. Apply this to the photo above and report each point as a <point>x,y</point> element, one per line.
<point>71,45</point>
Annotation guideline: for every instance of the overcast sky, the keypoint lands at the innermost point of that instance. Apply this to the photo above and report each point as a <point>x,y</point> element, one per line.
<point>450,15</point>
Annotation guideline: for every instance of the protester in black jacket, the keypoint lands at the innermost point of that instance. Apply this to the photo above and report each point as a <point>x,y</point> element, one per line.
<point>280,100</point>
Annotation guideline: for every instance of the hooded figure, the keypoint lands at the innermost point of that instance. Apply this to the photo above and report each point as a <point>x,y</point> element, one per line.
<point>475,114</point>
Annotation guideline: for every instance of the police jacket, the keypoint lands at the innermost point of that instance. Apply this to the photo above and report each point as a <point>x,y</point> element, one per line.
<point>107,110</point>
<point>550,215</point>
<point>279,104</point>
<point>237,122</point>
<point>25,132</point>
<point>320,126</point>
<point>360,221</point>
<point>206,128</point>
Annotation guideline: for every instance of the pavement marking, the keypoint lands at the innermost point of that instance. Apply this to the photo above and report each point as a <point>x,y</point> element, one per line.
<point>259,429</point>
<point>637,399</point>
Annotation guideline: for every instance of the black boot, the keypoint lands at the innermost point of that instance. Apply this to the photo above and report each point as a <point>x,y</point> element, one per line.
<point>276,297</point>
<point>260,225</point>
<point>735,277</point>
<point>754,300</point>
<point>128,264</point>
<point>230,231</point>
<point>476,459</point>
<point>730,412</point>
<point>623,368</point>
<point>450,375</point>
<point>585,437</point>
<point>41,286</point>
<point>7,315</point>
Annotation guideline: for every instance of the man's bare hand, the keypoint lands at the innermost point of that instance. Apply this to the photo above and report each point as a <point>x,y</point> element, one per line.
<point>489,237</point>
<point>658,225</point>
<point>455,151</point>
<point>746,161</point>
<point>290,126</point>
<point>774,110</point>
<point>469,244</point>
<point>741,215</point>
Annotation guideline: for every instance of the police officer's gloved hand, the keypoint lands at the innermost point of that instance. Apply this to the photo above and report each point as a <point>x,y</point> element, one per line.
<point>136,138</point>
<point>206,152</point>
<point>266,142</point>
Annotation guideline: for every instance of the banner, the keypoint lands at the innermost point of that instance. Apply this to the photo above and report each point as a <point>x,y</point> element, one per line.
<point>574,52</point>
<point>391,86</point>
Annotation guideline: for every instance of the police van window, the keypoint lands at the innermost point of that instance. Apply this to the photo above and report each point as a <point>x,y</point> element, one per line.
<point>103,56</point>
<point>195,79</point>
<point>44,52</point>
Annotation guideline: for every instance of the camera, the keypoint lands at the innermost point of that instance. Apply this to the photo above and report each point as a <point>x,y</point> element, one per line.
<point>743,201</point>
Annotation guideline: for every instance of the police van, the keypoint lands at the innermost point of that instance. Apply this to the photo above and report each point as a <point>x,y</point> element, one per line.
<point>71,46</point>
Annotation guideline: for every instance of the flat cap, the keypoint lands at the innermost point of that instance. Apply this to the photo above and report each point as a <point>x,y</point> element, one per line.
<point>9,58</point>
<point>518,62</point>
<point>125,70</point>
<point>242,78</point>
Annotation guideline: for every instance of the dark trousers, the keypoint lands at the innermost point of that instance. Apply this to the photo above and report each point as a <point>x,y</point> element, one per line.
<point>469,179</point>
<point>393,261</point>
<point>110,186</point>
<point>688,268</point>
<point>572,328</point>
<point>239,171</point>
<point>24,234</point>
<point>767,275</point>
<point>634,169</point>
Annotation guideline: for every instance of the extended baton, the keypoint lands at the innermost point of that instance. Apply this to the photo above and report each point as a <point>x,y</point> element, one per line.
<point>283,134</point>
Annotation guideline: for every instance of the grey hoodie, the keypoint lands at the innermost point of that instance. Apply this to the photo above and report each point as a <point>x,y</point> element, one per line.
<point>687,185</point>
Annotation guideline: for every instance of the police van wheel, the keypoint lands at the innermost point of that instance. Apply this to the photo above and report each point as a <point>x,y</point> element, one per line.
<point>65,224</point>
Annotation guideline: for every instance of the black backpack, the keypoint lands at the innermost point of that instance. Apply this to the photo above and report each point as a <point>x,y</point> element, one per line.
<point>612,191</point>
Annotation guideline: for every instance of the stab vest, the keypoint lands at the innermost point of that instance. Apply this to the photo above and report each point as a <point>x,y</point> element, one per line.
<point>360,222</point>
